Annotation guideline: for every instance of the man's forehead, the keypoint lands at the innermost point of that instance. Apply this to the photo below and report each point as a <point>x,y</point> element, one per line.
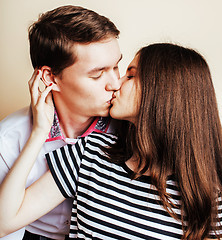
<point>98,55</point>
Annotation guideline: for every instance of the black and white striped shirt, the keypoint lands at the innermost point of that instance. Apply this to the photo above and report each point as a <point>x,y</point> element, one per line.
<point>107,204</point>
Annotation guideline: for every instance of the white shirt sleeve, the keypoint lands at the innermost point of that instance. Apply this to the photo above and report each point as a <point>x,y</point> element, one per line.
<point>8,155</point>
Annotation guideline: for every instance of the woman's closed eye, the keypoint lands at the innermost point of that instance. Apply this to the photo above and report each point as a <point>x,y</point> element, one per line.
<point>130,77</point>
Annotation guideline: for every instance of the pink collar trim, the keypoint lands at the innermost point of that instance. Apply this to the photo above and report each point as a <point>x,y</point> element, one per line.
<point>100,124</point>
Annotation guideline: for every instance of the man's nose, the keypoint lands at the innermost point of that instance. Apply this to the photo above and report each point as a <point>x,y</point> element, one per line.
<point>114,82</point>
<point>123,79</point>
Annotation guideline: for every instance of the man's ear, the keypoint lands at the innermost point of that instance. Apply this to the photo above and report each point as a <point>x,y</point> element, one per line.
<point>48,77</point>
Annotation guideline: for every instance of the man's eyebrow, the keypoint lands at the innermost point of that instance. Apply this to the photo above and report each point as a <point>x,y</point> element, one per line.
<point>97,69</point>
<point>94,70</point>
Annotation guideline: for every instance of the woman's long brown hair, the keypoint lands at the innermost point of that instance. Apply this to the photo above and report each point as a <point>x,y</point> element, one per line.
<point>178,131</point>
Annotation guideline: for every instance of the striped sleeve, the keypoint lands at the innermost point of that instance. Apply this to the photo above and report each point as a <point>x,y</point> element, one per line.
<point>217,226</point>
<point>64,164</point>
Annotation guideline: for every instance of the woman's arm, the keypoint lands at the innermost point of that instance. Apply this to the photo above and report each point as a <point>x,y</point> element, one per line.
<point>20,206</point>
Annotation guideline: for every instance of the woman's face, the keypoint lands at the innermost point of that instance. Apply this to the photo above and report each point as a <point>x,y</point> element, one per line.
<point>125,102</point>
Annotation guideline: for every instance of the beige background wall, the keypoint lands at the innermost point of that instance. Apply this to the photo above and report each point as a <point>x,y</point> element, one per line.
<point>193,23</point>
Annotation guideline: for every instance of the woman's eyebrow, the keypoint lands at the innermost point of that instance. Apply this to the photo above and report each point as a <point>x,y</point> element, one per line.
<point>131,67</point>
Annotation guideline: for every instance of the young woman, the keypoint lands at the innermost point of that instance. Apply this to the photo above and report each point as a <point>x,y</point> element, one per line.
<point>160,179</point>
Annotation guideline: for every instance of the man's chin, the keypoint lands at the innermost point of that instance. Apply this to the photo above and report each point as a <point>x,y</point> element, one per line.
<point>105,113</point>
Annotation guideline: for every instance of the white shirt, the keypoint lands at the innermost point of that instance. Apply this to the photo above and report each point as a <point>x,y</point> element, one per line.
<point>14,132</point>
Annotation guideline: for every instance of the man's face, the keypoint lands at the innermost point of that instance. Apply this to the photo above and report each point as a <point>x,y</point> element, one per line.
<point>86,87</point>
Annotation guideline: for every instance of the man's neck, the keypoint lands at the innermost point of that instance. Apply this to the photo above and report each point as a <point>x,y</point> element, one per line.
<point>72,125</point>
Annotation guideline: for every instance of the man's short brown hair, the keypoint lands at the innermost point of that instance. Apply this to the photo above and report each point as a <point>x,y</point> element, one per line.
<point>53,35</point>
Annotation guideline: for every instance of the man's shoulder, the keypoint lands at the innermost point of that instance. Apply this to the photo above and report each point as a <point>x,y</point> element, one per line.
<point>19,121</point>
<point>14,132</point>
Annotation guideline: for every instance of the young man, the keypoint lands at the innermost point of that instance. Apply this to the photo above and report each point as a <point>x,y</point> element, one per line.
<point>77,51</point>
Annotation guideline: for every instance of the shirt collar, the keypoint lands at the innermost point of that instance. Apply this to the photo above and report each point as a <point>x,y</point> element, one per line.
<point>100,124</point>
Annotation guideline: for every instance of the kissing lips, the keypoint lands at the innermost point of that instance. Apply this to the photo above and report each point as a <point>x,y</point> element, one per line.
<point>113,99</point>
